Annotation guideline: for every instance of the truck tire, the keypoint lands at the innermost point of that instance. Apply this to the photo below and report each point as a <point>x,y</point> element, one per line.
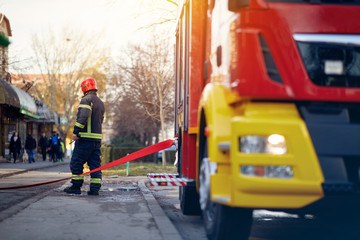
<point>221,222</point>
<point>189,200</point>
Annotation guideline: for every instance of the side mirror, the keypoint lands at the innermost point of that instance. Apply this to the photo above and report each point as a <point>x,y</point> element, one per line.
<point>235,5</point>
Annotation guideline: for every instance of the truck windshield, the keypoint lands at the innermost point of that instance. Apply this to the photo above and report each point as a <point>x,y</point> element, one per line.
<point>339,2</point>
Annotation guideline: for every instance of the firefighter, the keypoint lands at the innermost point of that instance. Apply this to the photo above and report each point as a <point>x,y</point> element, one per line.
<point>87,137</point>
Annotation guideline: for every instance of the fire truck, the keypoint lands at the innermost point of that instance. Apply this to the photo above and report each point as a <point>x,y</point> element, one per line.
<point>267,109</point>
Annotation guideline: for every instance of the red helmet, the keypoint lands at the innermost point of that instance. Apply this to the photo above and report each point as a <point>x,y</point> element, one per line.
<point>88,84</point>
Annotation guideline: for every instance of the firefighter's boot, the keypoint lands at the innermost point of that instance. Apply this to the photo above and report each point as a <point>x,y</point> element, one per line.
<point>93,192</point>
<point>73,190</point>
<point>95,183</point>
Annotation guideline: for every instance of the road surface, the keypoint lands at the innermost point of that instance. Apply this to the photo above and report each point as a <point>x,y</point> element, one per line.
<point>267,225</point>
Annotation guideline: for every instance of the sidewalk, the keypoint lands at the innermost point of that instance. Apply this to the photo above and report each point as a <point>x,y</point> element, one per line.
<point>125,209</point>
<point>9,168</point>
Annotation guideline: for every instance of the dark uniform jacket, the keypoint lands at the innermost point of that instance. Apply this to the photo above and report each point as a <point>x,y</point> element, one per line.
<point>15,145</point>
<point>43,142</point>
<point>30,143</point>
<point>90,117</point>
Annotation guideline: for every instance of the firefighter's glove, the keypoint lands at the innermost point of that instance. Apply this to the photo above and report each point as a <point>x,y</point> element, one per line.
<point>75,137</point>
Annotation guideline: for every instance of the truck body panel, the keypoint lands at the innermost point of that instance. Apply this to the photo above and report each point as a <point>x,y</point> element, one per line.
<point>286,69</point>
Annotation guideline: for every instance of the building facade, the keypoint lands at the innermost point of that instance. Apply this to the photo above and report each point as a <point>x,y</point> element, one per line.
<point>19,111</point>
<point>5,33</point>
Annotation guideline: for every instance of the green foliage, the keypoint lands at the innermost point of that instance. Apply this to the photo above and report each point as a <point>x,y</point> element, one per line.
<point>122,146</point>
<point>110,153</point>
<point>126,142</point>
<point>170,156</point>
<point>139,169</point>
<point>106,154</point>
<point>119,152</point>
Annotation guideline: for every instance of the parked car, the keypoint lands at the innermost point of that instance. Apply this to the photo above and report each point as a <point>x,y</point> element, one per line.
<point>159,153</point>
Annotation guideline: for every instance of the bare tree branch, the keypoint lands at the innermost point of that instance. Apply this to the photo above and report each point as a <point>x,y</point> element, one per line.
<point>63,64</point>
<point>172,2</point>
<point>145,75</point>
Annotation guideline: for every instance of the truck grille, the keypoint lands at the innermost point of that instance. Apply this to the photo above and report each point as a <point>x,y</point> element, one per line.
<point>335,133</point>
<point>341,188</point>
<point>331,60</point>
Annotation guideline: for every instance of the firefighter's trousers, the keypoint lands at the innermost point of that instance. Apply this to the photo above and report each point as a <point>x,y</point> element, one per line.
<point>86,151</point>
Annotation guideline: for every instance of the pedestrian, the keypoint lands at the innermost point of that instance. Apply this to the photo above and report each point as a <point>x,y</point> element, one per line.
<point>30,146</point>
<point>43,144</point>
<point>59,154</point>
<point>87,137</point>
<point>15,145</point>
<point>54,146</point>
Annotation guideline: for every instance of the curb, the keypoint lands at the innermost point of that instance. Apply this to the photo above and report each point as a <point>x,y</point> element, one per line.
<point>31,169</point>
<point>165,226</point>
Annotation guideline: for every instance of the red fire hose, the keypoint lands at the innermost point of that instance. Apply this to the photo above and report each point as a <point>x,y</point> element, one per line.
<point>141,153</point>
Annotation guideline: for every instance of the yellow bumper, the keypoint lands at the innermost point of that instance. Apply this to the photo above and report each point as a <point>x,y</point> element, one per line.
<point>230,187</point>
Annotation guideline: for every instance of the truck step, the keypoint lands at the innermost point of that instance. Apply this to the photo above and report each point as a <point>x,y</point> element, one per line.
<point>166,179</point>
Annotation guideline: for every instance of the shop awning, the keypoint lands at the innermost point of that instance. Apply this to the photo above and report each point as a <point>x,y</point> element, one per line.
<point>8,95</point>
<point>27,103</point>
<point>55,117</point>
<point>45,114</point>
<point>15,97</point>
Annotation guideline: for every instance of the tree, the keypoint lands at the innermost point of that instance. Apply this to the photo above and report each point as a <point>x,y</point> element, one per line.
<point>64,60</point>
<point>133,124</point>
<point>145,75</point>
<point>162,12</point>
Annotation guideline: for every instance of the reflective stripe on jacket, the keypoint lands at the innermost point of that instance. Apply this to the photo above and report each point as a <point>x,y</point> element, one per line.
<point>90,117</point>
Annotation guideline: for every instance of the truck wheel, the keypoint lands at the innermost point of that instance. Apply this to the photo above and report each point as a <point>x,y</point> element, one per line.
<point>221,222</point>
<point>189,200</point>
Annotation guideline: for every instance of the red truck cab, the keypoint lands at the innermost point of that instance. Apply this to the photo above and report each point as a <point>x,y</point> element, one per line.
<point>267,108</point>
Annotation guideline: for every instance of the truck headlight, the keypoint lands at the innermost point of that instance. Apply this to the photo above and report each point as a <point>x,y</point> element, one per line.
<point>273,144</point>
<point>282,172</point>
